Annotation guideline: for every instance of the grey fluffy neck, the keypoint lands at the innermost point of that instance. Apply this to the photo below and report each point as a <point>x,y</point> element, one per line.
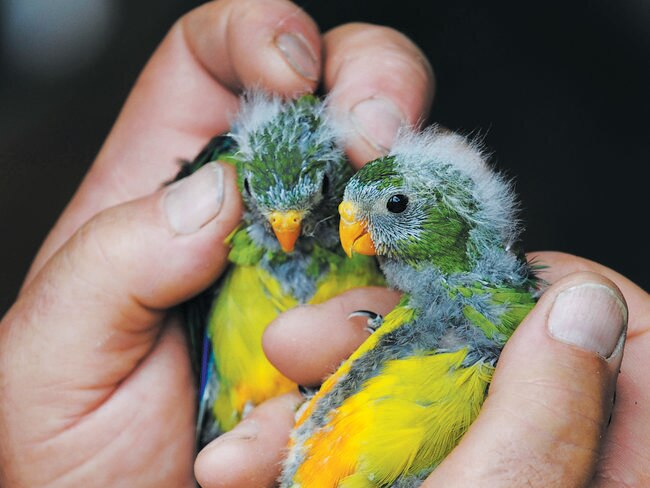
<point>493,268</point>
<point>441,309</point>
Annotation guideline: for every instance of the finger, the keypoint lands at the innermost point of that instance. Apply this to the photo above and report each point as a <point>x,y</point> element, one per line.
<point>308,343</point>
<point>380,81</point>
<point>272,42</point>
<point>559,264</point>
<point>625,453</point>
<point>184,96</point>
<point>91,448</point>
<point>93,313</point>
<point>251,453</point>
<point>548,406</point>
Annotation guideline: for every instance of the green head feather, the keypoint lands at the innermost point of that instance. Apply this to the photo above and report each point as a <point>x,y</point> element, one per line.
<point>289,156</point>
<point>433,201</point>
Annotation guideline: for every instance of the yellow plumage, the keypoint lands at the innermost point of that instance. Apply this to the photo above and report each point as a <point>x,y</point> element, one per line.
<point>249,299</point>
<point>401,422</point>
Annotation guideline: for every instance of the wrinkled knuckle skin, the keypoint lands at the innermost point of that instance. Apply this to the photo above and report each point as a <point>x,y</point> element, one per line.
<point>93,240</point>
<point>514,466</point>
<point>387,41</point>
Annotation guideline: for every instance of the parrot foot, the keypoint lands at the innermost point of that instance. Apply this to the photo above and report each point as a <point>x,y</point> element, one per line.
<point>307,391</point>
<point>374,320</point>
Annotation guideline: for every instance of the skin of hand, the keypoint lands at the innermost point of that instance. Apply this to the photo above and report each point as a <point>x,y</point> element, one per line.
<point>95,382</point>
<point>548,418</point>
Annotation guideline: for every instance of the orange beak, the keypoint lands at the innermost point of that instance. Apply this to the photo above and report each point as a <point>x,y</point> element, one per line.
<point>286,226</point>
<point>354,233</point>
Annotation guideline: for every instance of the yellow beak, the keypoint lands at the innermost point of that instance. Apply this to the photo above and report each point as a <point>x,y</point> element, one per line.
<point>354,233</point>
<point>286,226</point>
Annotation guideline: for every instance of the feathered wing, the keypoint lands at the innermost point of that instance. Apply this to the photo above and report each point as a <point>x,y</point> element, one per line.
<point>396,425</point>
<point>219,147</point>
<point>421,419</point>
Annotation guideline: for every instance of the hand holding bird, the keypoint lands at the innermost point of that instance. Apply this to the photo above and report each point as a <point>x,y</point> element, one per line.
<point>108,384</point>
<point>291,172</point>
<point>94,367</point>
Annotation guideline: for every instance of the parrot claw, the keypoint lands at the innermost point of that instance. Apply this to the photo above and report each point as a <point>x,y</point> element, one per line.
<point>248,408</point>
<point>307,391</point>
<point>374,320</point>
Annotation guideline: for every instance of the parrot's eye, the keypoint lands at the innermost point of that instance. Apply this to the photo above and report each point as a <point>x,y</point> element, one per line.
<point>397,203</point>
<point>247,186</point>
<point>326,185</point>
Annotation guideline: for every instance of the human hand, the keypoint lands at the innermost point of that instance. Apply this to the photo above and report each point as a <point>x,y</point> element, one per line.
<point>95,384</point>
<point>545,420</point>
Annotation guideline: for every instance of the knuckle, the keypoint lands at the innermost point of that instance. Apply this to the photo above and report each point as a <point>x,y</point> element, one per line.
<point>106,242</point>
<point>269,13</point>
<point>92,239</point>
<point>378,41</point>
<point>569,406</point>
<point>542,459</point>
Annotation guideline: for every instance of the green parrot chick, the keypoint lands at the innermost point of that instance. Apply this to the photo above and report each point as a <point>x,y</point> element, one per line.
<point>291,172</point>
<point>442,224</point>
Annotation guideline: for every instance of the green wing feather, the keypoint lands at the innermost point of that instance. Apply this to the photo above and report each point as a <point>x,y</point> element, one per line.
<point>513,304</point>
<point>219,147</point>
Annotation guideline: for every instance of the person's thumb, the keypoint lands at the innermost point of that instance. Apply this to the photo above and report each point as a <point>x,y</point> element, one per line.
<point>94,311</point>
<point>550,402</point>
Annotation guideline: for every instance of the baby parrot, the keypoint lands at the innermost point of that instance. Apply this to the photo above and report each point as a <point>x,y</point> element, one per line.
<point>291,172</point>
<point>442,224</point>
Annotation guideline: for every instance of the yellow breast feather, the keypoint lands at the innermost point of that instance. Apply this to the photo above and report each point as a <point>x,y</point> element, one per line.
<point>249,299</point>
<point>402,422</point>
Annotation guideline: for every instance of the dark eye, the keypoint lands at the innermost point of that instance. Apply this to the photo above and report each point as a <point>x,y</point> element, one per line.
<point>326,185</point>
<point>247,186</point>
<point>397,203</point>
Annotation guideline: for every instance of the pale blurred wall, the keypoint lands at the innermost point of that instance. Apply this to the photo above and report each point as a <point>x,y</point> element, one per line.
<point>66,67</point>
<point>56,39</point>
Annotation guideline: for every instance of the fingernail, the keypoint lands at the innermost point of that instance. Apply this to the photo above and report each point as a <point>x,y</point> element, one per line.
<point>298,54</point>
<point>590,316</point>
<point>377,121</point>
<point>194,201</point>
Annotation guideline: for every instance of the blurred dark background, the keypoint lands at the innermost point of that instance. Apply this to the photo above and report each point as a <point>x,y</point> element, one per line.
<point>558,90</point>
